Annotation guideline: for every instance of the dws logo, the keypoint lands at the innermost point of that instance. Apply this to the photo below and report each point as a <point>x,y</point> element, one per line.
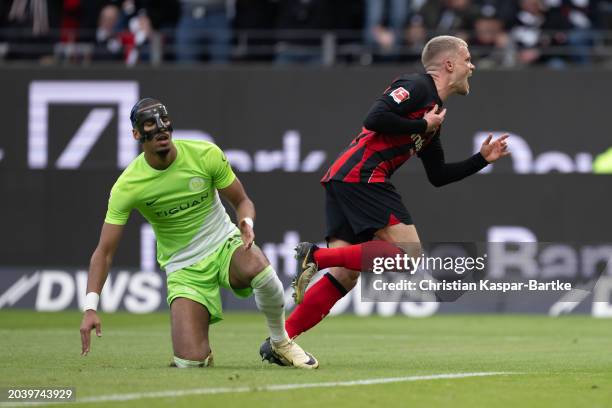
<point>45,93</point>
<point>137,292</point>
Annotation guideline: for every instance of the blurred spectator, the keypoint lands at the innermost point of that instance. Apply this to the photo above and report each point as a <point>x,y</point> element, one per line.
<point>137,40</point>
<point>204,31</point>
<point>28,27</point>
<point>603,13</point>
<point>128,28</point>
<point>348,19</point>
<point>415,36</point>
<point>254,23</point>
<point>554,32</point>
<point>570,23</point>
<point>384,23</point>
<point>349,14</point>
<point>71,21</point>
<point>527,30</point>
<point>34,14</point>
<point>505,10</point>
<point>163,14</point>
<point>123,32</point>
<point>454,17</point>
<point>307,18</point>
<point>560,27</point>
<point>491,46</point>
<point>108,42</point>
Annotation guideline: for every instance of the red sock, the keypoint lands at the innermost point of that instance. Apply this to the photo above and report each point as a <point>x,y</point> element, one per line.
<point>318,301</point>
<point>355,257</point>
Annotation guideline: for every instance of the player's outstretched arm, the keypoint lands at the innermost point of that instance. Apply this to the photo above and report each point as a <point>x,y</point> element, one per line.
<point>441,173</point>
<point>99,265</point>
<point>245,210</point>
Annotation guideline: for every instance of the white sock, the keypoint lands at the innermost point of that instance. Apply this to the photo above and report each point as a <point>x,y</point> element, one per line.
<point>182,363</point>
<point>269,297</point>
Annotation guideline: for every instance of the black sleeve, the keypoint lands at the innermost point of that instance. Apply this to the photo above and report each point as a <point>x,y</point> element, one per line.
<point>388,114</point>
<point>440,173</point>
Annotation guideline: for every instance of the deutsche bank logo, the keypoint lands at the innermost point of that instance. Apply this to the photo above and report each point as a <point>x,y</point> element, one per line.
<point>44,93</point>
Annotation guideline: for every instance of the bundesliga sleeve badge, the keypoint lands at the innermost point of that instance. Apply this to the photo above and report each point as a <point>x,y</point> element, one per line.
<point>400,94</point>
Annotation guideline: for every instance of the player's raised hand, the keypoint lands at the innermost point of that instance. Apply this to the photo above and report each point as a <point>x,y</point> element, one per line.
<point>434,118</point>
<point>89,322</point>
<point>498,148</point>
<point>247,234</point>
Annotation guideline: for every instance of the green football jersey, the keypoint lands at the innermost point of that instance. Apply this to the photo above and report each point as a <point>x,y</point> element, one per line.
<point>181,202</point>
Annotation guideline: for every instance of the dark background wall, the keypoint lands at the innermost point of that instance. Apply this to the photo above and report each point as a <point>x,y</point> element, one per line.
<point>51,216</point>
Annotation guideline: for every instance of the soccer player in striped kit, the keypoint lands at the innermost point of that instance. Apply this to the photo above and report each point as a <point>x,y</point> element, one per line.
<point>362,203</point>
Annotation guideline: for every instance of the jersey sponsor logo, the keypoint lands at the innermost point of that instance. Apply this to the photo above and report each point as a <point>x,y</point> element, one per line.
<point>400,95</point>
<point>418,141</point>
<point>181,207</point>
<point>150,203</point>
<point>196,184</point>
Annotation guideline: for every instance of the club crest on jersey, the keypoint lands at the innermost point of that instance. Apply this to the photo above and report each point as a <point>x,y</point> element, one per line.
<point>400,94</point>
<point>196,184</point>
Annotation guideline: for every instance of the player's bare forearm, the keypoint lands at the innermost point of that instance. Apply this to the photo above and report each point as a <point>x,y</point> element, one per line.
<point>239,200</point>
<point>102,258</point>
<point>245,209</point>
<point>245,212</point>
<point>99,266</point>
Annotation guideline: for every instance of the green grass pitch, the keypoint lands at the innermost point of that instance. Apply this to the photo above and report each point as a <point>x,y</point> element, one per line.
<point>556,362</point>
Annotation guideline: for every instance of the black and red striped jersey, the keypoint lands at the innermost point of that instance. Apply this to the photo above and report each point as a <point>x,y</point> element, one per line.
<point>394,131</point>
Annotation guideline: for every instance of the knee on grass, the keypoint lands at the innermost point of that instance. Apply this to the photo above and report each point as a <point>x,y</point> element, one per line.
<point>199,353</point>
<point>193,360</point>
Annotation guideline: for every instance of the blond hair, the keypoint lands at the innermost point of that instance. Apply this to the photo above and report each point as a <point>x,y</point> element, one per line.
<point>438,46</point>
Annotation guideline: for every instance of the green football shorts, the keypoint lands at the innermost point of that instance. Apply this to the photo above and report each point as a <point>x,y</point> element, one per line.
<point>200,282</point>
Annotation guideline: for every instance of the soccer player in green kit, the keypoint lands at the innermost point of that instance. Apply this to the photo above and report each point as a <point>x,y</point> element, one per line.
<point>176,185</point>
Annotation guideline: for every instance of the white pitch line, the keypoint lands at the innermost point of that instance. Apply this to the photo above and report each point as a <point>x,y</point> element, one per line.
<point>271,388</point>
<point>281,387</point>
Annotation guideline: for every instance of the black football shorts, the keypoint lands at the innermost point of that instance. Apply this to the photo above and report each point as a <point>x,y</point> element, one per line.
<point>355,211</point>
